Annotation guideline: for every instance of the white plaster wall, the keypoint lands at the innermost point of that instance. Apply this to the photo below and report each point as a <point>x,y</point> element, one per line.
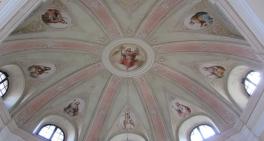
<point>6,135</point>
<point>257,6</point>
<point>9,130</point>
<point>244,135</point>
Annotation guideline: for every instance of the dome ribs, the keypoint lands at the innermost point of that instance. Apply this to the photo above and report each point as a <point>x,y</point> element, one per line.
<point>101,12</point>
<point>158,124</point>
<point>155,17</point>
<point>103,108</point>
<point>208,47</point>
<point>35,104</point>
<point>205,95</point>
<point>43,44</point>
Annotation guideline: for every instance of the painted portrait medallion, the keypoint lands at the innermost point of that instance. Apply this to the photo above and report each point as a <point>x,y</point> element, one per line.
<point>55,18</point>
<point>199,20</point>
<point>127,57</point>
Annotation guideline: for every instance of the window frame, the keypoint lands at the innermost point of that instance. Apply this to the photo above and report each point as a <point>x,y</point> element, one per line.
<point>197,127</point>
<point>56,127</point>
<point>246,79</point>
<point>6,79</point>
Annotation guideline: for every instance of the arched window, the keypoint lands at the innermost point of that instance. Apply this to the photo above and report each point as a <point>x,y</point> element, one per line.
<point>51,133</point>
<point>251,81</point>
<point>3,83</point>
<point>202,132</point>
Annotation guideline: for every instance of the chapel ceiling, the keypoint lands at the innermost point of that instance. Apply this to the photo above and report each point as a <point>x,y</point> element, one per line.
<point>115,58</point>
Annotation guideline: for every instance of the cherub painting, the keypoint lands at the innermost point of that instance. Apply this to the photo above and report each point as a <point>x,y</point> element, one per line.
<point>73,108</point>
<point>55,18</point>
<point>182,110</point>
<point>215,71</point>
<point>38,70</point>
<point>127,57</point>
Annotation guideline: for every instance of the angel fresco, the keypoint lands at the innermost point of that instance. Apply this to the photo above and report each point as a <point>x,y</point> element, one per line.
<point>53,16</point>
<point>127,57</point>
<point>216,71</point>
<point>182,110</point>
<point>38,70</point>
<point>128,122</point>
<point>201,18</point>
<point>73,108</point>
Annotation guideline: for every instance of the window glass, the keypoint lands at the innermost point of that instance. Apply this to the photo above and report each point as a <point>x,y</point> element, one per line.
<point>196,136</point>
<point>51,133</point>
<point>202,132</point>
<point>58,136</point>
<point>251,81</point>
<point>3,83</point>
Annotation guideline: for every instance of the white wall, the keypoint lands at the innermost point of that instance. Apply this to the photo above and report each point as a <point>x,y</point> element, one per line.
<point>8,129</point>
<point>257,6</point>
<point>6,135</point>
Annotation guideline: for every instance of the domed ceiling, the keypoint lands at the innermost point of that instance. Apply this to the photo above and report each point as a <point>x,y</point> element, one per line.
<point>115,59</point>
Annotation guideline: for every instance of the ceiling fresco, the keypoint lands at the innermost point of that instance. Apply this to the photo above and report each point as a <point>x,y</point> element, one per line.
<point>116,66</point>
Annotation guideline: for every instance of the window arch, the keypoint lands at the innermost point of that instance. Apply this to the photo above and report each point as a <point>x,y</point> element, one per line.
<point>51,132</point>
<point>68,129</point>
<point>3,83</point>
<point>251,81</point>
<point>202,132</point>
<point>188,127</point>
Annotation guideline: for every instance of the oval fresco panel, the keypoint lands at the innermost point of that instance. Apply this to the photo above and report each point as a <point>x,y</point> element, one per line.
<point>41,70</point>
<point>55,18</point>
<point>199,20</point>
<point>128,57</point>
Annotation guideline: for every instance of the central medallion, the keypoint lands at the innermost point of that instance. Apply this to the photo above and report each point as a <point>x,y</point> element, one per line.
<point>128,57</point>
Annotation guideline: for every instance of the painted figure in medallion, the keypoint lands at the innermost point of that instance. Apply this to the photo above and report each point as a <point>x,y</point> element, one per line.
<point>38,70</point>
<point>201,18</point>
<point>182,110</point>
<point>73,108</point>
<point>53,16</point>
<point>216,71</point>
<point>127,57</point>
<point>128,122</point>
